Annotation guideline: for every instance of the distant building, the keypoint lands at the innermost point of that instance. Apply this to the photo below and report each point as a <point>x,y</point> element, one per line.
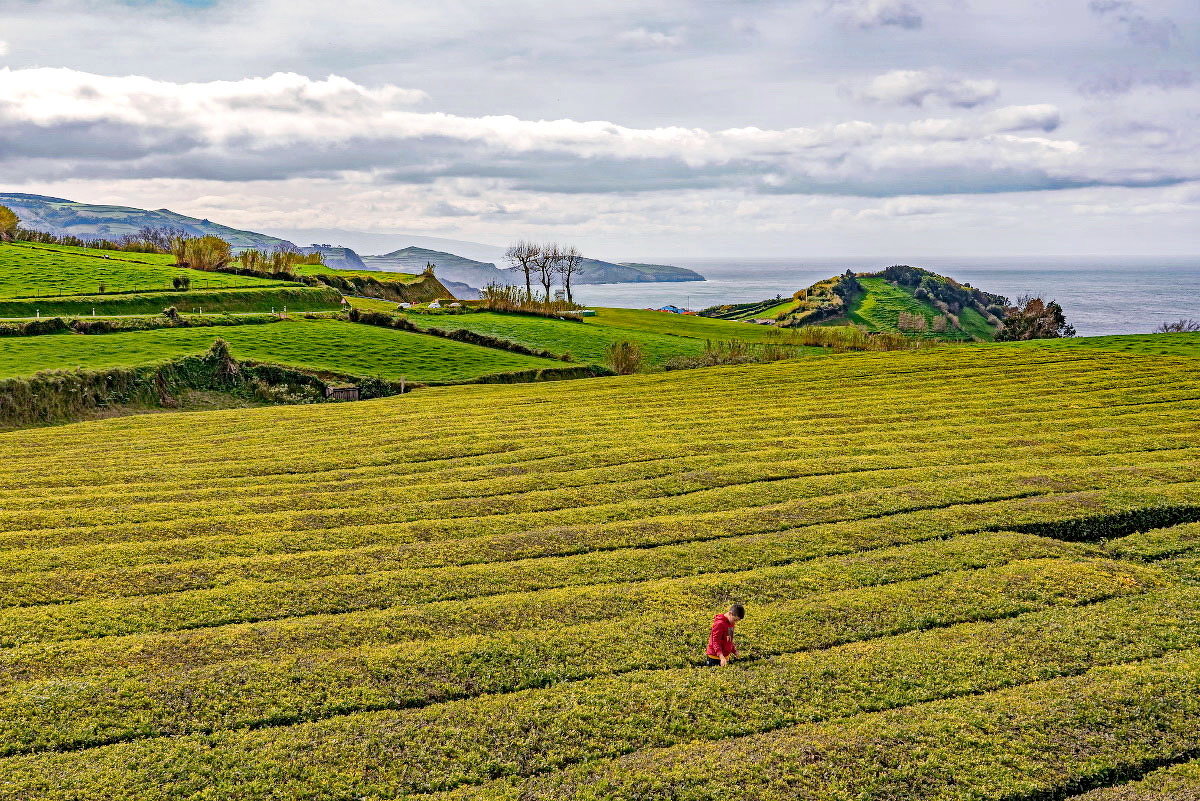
<point>672,309</point>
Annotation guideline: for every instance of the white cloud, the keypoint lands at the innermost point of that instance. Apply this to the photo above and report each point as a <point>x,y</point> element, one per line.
<point>643,37</point>
<point>61,123</point>
<point>915,87</point>
<point>878,13</point>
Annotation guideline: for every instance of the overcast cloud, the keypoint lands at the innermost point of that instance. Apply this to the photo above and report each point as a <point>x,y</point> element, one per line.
<point>636,129</point>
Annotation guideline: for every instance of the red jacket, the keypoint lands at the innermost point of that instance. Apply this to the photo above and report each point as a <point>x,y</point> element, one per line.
<point>720,639</point>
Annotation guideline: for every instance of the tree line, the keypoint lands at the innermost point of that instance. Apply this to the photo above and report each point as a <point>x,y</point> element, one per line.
<point>547,262</point>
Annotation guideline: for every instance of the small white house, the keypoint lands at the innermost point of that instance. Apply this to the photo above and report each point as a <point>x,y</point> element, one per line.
<point>405,305</point>
<point>456,305</point>
<point>435,305</point>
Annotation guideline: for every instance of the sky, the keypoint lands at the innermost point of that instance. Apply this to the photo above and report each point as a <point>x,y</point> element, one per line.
<point>636,130</point>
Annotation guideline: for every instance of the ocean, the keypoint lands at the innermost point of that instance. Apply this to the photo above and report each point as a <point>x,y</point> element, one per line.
<point>1099,294</point>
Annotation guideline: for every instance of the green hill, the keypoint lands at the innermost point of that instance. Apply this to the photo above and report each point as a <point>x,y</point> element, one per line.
<point>899,299</point>
<point>92,221</point>
<point>970,572</point>
<point>49,280</point>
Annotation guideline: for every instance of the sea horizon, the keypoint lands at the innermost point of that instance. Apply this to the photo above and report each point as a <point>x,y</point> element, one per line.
<point>1100,295</point>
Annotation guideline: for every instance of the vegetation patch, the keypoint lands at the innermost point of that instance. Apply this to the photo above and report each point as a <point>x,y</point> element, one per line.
<point>219,301</point>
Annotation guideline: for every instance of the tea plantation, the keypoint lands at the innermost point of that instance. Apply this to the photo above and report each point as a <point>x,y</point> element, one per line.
<point>970,573</point>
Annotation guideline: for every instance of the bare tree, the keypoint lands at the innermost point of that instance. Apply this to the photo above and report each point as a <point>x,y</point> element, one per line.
<point>521,257</point>
<point>161,237</point>
<point>549,257</point>
<point>1179,327</point>
<point>569,265</point>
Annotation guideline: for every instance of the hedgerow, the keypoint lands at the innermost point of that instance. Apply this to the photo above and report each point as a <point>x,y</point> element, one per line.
<point>262,299</point>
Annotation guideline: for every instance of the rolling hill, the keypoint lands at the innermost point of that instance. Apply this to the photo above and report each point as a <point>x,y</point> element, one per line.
<point>970,573</point>
<point>899,299</point>
<point>91,221</point>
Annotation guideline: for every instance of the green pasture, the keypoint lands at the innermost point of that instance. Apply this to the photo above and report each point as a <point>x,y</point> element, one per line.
<point>661,335</point>
<point>309,344</point>
<point>29,270</point>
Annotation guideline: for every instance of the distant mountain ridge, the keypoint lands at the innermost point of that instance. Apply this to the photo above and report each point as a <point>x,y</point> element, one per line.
<point>93,221</point>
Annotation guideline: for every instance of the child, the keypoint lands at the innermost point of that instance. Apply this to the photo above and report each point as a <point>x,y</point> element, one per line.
<point>720,640</point>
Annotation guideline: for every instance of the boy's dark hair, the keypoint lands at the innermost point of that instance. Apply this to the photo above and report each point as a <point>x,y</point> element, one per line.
<point>738,611</point>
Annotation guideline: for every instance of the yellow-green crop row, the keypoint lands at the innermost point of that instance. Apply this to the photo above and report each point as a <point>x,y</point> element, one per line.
<point>957,563</point>
<point>1032,741</point>
<point>232,447</point>
<point>1158,543</point>
<point>1175,783</point>
<point>655,628</point>
<point>627,588</point>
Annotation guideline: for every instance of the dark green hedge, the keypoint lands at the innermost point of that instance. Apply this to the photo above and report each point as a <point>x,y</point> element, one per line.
<point>263,299</point>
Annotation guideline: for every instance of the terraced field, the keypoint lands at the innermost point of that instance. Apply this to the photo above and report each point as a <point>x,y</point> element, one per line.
<point>28,270</point>
<point>966,572</point>
<point>660,334</point>
<point>55,280</point>
<point>331,345</point>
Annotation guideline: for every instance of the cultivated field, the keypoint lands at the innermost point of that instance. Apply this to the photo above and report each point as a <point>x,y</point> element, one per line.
<point>661,335</point>
<point>56,280</point>
<point>308,344</point>
<point>970,574</point>
<point>28,270</point>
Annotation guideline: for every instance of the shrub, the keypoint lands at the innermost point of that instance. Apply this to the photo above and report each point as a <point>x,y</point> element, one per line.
<point>625,357</point>
<point>202,252</point>
<point>1033,318</point>
<point>499,298</point>
<point>734,351</point>
<point>9,222</point>
<point>182,282</point>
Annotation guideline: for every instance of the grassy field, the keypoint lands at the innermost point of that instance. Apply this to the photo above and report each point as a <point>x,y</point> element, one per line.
<point>1182,344</point>
<point>321,269</point>
<point>312,344</point>
<point>43,270</point>
<point>661,335</point>
<point>964,570</point>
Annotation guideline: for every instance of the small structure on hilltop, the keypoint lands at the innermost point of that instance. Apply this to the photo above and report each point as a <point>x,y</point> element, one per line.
<point>348,393</point>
